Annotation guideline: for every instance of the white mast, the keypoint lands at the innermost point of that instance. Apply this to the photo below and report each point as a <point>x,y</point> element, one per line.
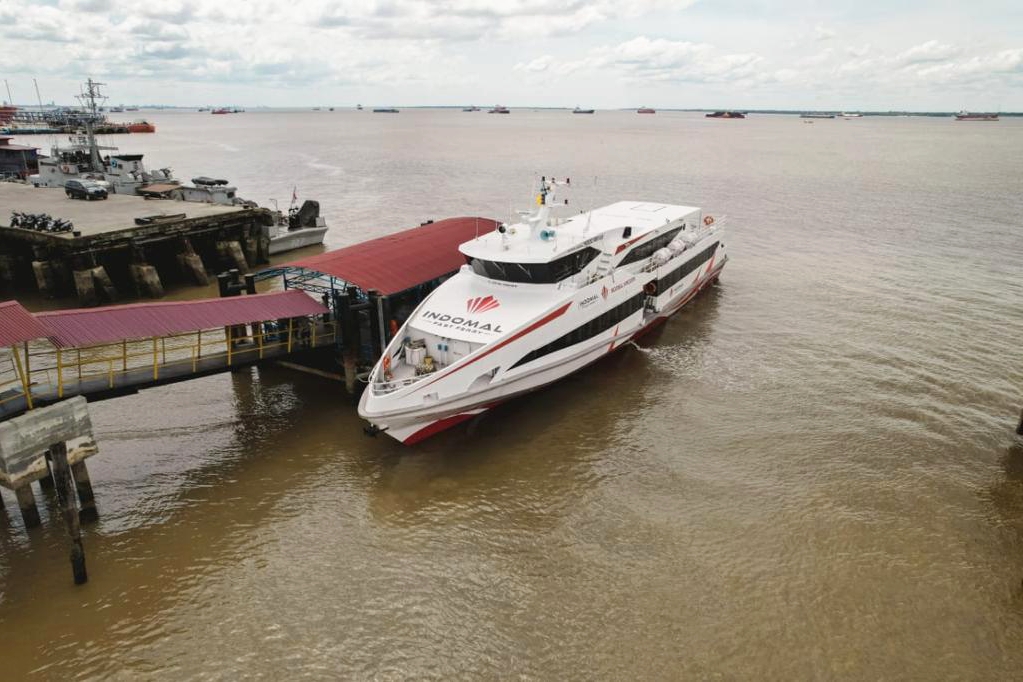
<point>90,93</point>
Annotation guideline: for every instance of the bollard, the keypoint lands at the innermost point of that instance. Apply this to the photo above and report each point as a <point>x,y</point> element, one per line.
<point>65,489</point>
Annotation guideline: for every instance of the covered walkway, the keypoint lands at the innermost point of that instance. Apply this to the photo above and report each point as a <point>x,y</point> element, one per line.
<point>105,352</point>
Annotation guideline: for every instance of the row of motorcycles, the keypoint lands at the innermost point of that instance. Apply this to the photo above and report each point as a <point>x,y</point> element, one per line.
<point>40,222</point>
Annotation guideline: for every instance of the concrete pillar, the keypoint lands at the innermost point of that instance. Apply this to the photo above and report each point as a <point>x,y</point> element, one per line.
<point>103,284</point>
<point>147,280</point>
<point>250,246</point>
<point>193,269</point>
<point>46,482</point>
<point>27,503</point>
<point>8,269</point>
<point>231,252</point>
<point>84,287</point>
<point>65,489</point>
<point>45,278</point>
<point>86,499</point>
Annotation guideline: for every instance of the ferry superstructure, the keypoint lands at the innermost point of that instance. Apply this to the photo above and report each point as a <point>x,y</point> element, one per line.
<point>536,301</point>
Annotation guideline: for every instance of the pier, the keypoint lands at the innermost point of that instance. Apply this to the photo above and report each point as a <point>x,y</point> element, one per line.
<point>337,313</point>
<point>125,245</point>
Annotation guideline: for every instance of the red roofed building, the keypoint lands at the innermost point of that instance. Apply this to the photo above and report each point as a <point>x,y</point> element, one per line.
<point>17,160</point>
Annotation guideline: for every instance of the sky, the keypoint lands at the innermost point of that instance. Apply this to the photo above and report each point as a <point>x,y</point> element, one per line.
<point>755,54</point>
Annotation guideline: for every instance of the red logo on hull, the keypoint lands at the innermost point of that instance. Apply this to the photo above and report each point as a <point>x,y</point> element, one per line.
<point>481,304</point>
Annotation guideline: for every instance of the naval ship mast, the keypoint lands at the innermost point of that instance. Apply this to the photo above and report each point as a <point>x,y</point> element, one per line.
<point>88,97</point>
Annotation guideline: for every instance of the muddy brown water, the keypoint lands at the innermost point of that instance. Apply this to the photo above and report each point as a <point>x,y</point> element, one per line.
<point>809,473</point>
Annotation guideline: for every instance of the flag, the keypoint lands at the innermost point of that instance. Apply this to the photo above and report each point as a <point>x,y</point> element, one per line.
<point>294,194</point>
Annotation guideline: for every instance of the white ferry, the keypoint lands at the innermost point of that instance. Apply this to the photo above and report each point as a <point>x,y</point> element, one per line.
<point>537,301</point>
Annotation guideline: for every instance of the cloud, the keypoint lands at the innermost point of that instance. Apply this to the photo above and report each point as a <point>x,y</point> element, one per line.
<point>931,51</point>
<point>820,32</point>
<point>861,51</point>
<point>539,64</point>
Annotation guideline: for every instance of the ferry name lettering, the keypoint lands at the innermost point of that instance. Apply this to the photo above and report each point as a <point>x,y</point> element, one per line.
<point>463,322</point>
<point>623,284</point>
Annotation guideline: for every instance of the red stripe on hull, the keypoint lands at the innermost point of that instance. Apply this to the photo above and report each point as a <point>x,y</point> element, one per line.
<point>436,427</point>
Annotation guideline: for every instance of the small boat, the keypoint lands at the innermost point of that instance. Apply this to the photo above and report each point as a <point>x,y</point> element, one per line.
<point>131,108</point>
<point>471,109</point>
<point>577,110</point>
<point>385,110</point>
<point>116,110</point>
<point>726,114</point>
<point>141,126</point>
<point>645,110</point>
<point>316,108</point>
<point>221,111</point>
<point>358,107</point>
<point>331,109</point>
<point>535,302</point>
<point>498,109</point>
<point>967,116</point>
<point>814,115</point>
<point>848,115</point>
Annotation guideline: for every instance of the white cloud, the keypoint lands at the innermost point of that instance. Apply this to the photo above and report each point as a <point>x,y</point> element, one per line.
<point>931,51</point>
<point>821,32</point>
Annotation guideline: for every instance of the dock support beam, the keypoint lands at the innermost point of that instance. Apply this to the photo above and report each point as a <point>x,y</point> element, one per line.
<point>349,340</point>
<point>65,488</point>
<point>86,498</point>
<point>27,503</point>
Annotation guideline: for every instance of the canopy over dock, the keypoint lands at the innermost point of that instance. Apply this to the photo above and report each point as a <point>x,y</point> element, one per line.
<point>394,263</point>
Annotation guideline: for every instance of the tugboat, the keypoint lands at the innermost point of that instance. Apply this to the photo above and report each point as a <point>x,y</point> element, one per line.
<point>537,301</point>
<point>498,109</point>
<point>577,110</point>
<point>726,114</point>
<point>967,116</point>
<point>141,126</point>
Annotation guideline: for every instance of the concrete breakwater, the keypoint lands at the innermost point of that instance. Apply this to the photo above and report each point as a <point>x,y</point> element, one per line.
<point>124,246</point>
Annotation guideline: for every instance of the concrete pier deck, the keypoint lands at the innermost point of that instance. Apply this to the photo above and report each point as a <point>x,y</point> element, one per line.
<point>111,257</point>
<point>118,212</point>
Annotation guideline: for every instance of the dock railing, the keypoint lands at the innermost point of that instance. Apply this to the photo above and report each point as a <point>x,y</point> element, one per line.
<point>49,372</point>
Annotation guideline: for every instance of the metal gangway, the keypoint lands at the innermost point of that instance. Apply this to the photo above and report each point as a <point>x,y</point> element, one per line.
<point>39,371</point>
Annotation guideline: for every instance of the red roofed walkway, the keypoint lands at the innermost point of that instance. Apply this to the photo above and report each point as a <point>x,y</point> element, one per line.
<point>106,352</point>
<point>399,261</point>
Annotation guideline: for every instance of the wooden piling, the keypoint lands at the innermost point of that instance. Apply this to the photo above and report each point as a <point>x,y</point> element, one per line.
<point>1019,427</point>
<point>27,504</point>
<point>65,489</point>
<point>86,499</point>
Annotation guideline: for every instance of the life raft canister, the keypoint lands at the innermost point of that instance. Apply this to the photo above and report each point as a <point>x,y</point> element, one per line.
<point>708,220</point>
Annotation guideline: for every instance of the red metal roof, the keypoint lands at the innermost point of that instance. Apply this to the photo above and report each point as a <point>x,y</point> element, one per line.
<point>92,326</point>
<point>401,260</point>
<point>17,325</point>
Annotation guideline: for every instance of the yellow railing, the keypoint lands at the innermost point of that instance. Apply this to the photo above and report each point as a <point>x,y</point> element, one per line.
<point>63,368</point>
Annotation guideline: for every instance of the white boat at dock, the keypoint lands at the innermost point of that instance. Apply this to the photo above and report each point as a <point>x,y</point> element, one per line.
<point>537,301</point>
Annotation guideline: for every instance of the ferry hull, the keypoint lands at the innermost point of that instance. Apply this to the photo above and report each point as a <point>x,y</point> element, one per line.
<point>415,426</point>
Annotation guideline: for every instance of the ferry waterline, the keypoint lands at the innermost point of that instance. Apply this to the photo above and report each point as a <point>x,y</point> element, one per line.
<point>536,301</point>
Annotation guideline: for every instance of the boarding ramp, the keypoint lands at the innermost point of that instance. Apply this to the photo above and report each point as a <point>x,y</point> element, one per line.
<point>106,352</point>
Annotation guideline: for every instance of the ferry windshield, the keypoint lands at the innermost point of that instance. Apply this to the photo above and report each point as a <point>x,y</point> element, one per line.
<point>534,273</point>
